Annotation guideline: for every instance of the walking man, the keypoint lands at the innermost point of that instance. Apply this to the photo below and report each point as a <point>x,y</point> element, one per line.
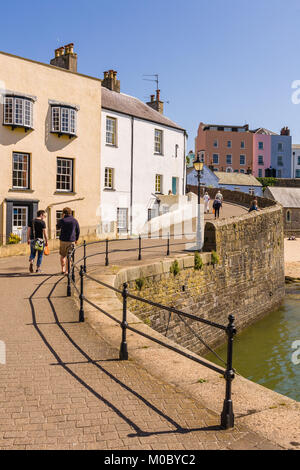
<point>69,234</point>
<point>37,239</point>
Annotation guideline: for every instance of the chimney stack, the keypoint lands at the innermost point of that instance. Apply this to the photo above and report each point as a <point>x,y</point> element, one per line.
<point>285,131</point>
<point>65,58</point>
<point>110,80</point>
<point>156,103</point>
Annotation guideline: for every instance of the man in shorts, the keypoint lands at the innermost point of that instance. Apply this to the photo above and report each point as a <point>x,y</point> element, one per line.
<point>69,234</point>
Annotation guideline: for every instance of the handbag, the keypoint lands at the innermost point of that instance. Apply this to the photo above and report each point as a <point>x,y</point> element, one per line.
<point>38,242</point>
<point>46,250</point>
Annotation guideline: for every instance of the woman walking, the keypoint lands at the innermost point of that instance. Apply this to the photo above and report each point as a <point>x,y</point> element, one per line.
<point>206,202</point>
<point>37,239</point>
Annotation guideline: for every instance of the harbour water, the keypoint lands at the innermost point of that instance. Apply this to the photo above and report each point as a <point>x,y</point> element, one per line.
<point>267,352</point>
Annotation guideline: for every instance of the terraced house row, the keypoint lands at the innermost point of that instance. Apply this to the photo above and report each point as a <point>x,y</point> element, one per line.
<point>260,152</point>
<point>68,139</point>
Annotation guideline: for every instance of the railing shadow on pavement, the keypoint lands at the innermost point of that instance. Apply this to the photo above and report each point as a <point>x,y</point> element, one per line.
<point>138,431</point>
<point>227,415</point>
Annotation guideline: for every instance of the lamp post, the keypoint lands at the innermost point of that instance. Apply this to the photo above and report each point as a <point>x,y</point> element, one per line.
<point>198,166</point>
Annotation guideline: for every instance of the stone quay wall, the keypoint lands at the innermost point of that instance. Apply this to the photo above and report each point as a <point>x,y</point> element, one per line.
<point>242,274</point>
<point>235,197</point>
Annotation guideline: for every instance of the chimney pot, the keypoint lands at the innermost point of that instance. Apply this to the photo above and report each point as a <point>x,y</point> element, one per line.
<point>65,58</point>
<point>158,95</point>
<point>152,98</point>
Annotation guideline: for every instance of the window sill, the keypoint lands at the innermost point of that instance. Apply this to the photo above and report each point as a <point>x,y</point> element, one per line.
<point>159,154</point>
<point>111,145</point>
<point>18,126</point>
<point>108,189</point>
<point>20,190</point>
<point>66,134</point>
<point>70,193</point>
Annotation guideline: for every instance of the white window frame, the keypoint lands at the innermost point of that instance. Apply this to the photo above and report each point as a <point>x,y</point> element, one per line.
<point>262,160</point>
<point>122,215</point>
<point>215,162</point>
<point>281,160</point>
<point>70,189</point>
<point>21,171</point>
<point>109,178</point>
<point>18,111</point>
<point>158,142</point>
<point>227,162</point>
<point>111,131</point>
<point>230,144</point>
<point>244,144</point>
<point>64,120</point>
<point>242,155</point>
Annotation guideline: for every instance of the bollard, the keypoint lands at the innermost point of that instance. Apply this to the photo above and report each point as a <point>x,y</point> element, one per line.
<point>84,256</point>
<point>140,248</point>
<point>81,312</point>
<point>227,416</point>
<point>69,275</point>
<point>106,252</point>
<point>168,244</point>
<point>123,349</point>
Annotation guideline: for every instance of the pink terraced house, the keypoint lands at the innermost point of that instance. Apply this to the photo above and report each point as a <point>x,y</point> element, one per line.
<point>261,151</point>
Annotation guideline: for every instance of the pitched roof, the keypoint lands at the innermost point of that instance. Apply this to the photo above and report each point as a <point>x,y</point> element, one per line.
<point>240,179</point>
<point>132,106</point>
<point>263,130</point>
<point>288,197</point>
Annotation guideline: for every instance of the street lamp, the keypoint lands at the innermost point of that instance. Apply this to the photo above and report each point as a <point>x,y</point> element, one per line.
<point>198,165</point>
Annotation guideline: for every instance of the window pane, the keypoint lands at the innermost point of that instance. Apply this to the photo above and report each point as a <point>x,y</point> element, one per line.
<point>19,111</point>
<point>110,131</point>
<point>65,124</point>
<point>55,119</point>
<point>158,141</point>
<point>64,177</point>
<point>8,111</point>
<point>20,170</point>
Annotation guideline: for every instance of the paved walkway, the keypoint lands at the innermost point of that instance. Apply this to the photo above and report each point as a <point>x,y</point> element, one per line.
<point>63,387</point>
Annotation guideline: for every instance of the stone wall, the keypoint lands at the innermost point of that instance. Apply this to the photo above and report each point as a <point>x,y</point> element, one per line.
<point>246,280</point>
<point>235,197</point>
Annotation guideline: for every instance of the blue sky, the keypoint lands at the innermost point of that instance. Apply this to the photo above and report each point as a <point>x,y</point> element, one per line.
<point>218,61</point>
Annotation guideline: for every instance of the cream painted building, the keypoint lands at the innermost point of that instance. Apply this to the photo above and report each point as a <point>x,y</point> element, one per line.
<point>49,142</point>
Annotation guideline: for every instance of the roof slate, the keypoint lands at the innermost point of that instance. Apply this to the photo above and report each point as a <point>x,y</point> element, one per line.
<point>132,106</point>
<point>288,197</point>
<point>240,179</point>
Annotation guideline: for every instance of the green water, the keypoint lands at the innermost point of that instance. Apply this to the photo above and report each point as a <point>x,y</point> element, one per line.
<point>263,352</point>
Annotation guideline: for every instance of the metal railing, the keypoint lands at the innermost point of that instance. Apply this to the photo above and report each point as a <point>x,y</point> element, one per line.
<point>227,415</point>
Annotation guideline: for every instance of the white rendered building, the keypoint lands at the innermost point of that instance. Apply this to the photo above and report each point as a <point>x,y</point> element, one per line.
<point>142,157</point>
<point>296,161</point>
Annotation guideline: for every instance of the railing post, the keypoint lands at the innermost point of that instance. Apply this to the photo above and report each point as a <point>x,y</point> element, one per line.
<point>140,248</point>
<point>73,268</point>
<point>123,349</point>
<point>227,416</point>
<point>168,244</point>
<point>81,312</point>
<point>84,256</point>
<point>106,252</point>
<point>69,275</point>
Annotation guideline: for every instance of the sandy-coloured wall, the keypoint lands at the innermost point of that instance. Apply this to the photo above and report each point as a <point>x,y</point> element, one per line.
<point>50,83</point>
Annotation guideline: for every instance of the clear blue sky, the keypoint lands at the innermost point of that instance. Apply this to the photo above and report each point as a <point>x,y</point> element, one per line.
<point>219,61</point>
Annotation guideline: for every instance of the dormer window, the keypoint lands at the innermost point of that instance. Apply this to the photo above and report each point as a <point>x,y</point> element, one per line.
<point>18,112</point>
<point>64,120</point>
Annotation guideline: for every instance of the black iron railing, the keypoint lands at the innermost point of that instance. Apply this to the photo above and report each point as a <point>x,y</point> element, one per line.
<point>227,415</point>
